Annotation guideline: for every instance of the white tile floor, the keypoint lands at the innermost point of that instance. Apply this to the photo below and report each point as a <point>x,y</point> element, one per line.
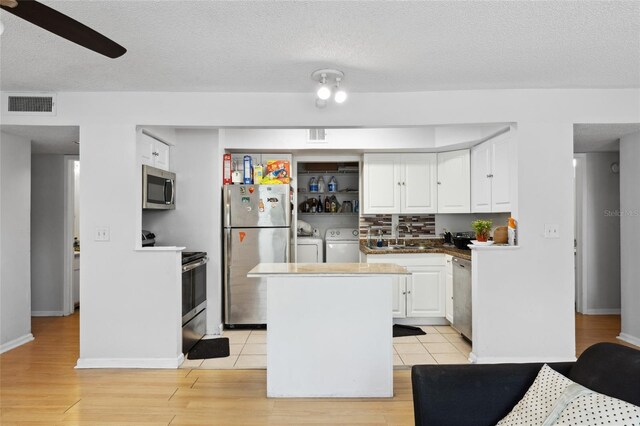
<point>248,350</point>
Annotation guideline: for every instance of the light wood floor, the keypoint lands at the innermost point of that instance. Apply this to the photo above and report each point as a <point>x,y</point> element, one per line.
<point>591,329</point>
<point>39,386</point>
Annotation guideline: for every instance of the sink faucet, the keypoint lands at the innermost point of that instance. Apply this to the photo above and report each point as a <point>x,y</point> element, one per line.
<point>407,227</point>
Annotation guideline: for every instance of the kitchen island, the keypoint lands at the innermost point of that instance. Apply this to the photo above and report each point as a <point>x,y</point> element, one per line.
<point>329,329</point>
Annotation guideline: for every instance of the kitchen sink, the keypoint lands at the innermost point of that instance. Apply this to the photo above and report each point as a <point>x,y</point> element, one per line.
<point>403,247</point>
<point>386,248</point>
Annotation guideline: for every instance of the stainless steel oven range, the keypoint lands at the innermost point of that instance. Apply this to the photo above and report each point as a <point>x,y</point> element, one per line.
<point>194,297</point>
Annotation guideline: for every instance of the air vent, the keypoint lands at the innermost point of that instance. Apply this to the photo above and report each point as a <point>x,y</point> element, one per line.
<point>30,103</point>
<point>317,136</point>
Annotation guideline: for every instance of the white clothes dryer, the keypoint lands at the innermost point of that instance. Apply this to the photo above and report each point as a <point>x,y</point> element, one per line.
<point>343,245</point>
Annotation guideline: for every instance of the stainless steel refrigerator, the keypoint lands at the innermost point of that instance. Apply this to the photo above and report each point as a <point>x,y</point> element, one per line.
<point>257,222</point>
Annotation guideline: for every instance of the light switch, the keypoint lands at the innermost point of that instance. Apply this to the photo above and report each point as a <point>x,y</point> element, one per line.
<point>551,230</point>
<point>102,233</point>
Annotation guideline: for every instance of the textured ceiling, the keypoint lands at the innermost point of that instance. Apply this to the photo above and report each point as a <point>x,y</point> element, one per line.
<point>600,137</point>
<point>48,139</point>
<point>243,46</point>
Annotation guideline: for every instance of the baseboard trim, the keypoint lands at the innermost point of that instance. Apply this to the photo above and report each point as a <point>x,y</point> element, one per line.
<point>421,321</point>
<point>516,360</point>
<point>47,313</point>
<point>602,312</point>
<point>629,339</point>
<point>5,347</point>
<point>83,363</point>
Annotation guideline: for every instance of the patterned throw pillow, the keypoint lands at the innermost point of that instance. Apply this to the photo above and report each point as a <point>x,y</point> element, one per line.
<point>539,400</point>
<point>594,409</point>
<point>554,400</point>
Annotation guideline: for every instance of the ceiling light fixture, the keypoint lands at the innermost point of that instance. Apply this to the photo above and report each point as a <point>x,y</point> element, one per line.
<point>324,92</point>
<point>327,79</point>
<point>340,96</point>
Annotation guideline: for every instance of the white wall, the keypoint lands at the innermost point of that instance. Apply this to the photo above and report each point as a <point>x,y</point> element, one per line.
<point>601,235</point>
<point>15,271</point>
<point>47,234</point>
<point>131,313</point>
<point>195,222</point>
<point>120,321</point>
<point>629,236</point>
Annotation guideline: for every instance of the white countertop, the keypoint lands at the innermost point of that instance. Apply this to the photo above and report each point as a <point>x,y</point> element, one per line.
<point>161,248</point>
<point>493,247</point>
<point>332,269</point>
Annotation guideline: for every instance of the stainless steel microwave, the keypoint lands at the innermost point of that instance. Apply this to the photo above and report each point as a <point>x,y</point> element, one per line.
<point>158,189</point>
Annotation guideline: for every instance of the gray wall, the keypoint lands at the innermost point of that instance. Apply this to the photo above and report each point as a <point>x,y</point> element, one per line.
<point>601,234</point>
<point>47,234</point>
<point>630,236</point>
<point>15,187</point>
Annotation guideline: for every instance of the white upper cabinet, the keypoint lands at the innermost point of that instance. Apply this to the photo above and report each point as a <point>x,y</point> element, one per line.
<point>500,174</point>
<point>399,183</point>
<point>454,182</point>
<point>418,186</point>
<point>490,183</point>
<point>481,178</point>
<point>381,183</point>
<point>153,152</point>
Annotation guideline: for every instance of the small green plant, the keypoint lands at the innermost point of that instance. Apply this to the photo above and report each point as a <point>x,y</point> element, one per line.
<point>482,229</point>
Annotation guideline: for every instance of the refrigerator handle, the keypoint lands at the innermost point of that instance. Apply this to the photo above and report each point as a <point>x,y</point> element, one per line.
<point>287,249</point>
<point>226,200</point>
<point>226,296</point>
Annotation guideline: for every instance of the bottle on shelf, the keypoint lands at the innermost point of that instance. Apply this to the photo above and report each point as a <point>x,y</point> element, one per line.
<point>333,184</point>
<point>327,205</point>
<point>320,208</point>
<point>379,242</point>
<point>313,185</point>
<point>334,204</point>
<point>321,184</point>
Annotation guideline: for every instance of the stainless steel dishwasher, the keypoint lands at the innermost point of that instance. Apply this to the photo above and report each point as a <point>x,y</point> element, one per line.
<point>462,296</point>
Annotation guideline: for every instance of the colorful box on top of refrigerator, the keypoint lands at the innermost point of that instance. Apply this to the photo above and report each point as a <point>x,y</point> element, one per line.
<point>276,172</point>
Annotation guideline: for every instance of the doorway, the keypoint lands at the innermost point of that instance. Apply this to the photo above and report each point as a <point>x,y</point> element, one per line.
<point>598,232</point>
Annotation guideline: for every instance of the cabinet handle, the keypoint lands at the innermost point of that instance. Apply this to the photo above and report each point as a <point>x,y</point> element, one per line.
<point>409,292</point>
<point>439,183</point>
<point>399,184</point>
<point>404,292</point>
<point>402,183</point>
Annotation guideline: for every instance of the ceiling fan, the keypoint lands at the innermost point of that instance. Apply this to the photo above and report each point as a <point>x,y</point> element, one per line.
<point>62,25</point>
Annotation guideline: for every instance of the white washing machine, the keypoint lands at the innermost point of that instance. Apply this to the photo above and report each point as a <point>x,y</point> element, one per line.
<point>343,245</point>
<point>310,250</point>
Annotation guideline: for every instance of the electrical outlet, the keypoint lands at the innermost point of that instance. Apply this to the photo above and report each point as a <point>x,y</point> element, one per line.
<point>102,233</point>
<point>551,230</point>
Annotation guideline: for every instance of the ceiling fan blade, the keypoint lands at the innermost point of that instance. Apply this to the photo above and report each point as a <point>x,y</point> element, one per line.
<point>60,24</point>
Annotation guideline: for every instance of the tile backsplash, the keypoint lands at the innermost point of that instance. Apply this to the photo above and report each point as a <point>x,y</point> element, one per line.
<point>420,226</point>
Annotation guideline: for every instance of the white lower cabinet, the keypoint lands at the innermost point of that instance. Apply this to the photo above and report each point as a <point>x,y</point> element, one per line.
<point>448,306</point>
<point>399,297</point>
<point>421,294</point>
<point>425,291</point>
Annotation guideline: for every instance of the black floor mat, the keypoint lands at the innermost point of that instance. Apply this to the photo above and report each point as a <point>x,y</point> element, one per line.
<point>406,330</point>
<point>210,348</point>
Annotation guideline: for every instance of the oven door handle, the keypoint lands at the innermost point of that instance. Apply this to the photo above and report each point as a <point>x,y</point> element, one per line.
<point>194,265</point>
